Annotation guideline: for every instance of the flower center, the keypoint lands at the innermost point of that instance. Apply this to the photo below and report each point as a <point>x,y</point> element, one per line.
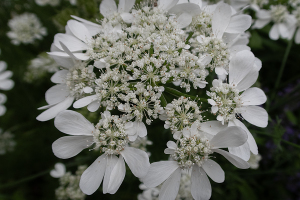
<point>191,151</point>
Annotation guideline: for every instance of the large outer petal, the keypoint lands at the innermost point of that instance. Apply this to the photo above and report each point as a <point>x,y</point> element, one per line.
<point>236,161</point>
<point>111,163</point>
<point>248,80</point>
<point>190,8</point>
<point>72,43</point>
<point>255,115</point>
<point>240,65</point>
<point>6,84</point>
<point>79,30</point>
<point>214,171</point>
<point>184,20</point>
<point>108,7</point>
<point>232,136</point>
<point>54,110</point>
<point>59,76</point>
<point>73,123</point>
<point>251,140</point>
<point>85,101</point>
<point>92,177</point>
<point>221,18</point>
<point>169,189</point>
<point>117,176</point>
<point>166,4</point>
<point>159,172</point>
<point>242,151</point>
<point>92,27</point>
<point>274,32</point>
<point>239,24</point>
<point>253,96</point>
<point>57,93</point>
<point>70,146</point>
<point>137,160</point>
<point>125,5</point>
<point>200,187</point>
<point>6,75</point>
<point>212,127</point>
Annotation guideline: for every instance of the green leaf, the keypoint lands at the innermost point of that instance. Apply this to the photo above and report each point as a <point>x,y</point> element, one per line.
<point>291,117</point>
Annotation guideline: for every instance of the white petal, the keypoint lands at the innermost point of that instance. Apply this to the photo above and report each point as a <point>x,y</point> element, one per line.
<point>54,110</point>
<point>184,20</point>
<point>232,136</point>
<point>190,8</point>
<point>263,14</point>
<point>64,61</point>
<point>57,93</point>
<point>6,75</point>
<point>171,145</point>
<point>125,5</point>
<point>253,96</point>
<point>212,127</point>
<point>169,189</point>
<point>214,109</point>
<point>59,76</point>
<point>58,171</point>
<point>108,7</point>
<point>166,4</point>
<point>220,71</point>
<point>3,98</point>
<point>6,84</point>
<point>94,106</point>
<point>248,80</point>
<point>221,18</point>
<point>169,151</point>
<point>3,66</point>
<point>71,42</point>
<point>159,172</point>
<point>255,115</point>
<point>92,27</point>
<point>111,162</point>
<point>141,129</point>
<point>73,123</point>
<point>79,30</point>
<point>85,101</point>
<point>137,160</point>
<point>200,185</point>
<point>274,32</point>
<point>2,110</point>
<point>92,177</point>
<point>240,65</point>
<point>236,161</point>
<point>117,176</point>
<point>70,146</point>
<point>214,171</point>
<point>251,140</point>
<point>283,30</point>
<point>239,24</point>
<point>260,23</point>
<point>88,90</point>
<point>242,151</point>
<point>127,17</point>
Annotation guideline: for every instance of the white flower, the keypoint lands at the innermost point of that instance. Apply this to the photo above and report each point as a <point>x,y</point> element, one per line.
<point>255,5</point>
<point>110,137</point>
<point>45,2</point>
<point>25,28</point>
<point>284,23</point>
<point>192,153</point>
<point>72,83</point>
<point>7,143</point>
<point>227,102</point>
<point>5,82</point>
<point>40,66</point>
<point>135,129</point>
<point>69,185</point>
<point>58,171</point>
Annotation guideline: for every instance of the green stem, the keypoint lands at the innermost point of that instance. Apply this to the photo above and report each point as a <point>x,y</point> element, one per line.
<point>177,93</point>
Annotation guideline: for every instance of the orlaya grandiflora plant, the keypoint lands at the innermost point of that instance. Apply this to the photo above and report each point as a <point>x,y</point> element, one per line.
<point>193,152</point>
<point>110,138</point>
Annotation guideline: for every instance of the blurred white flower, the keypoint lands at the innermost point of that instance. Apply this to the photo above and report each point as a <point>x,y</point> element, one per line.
<point>7,143</point>
<point>45,2</point>
<point>25,28</point>
<point>58,171</point>
<point>254,161</point>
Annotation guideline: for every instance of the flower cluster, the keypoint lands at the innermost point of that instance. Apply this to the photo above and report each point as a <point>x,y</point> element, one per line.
<point>129,66</point>
<point>39,67</point>
<point>25,28</point>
